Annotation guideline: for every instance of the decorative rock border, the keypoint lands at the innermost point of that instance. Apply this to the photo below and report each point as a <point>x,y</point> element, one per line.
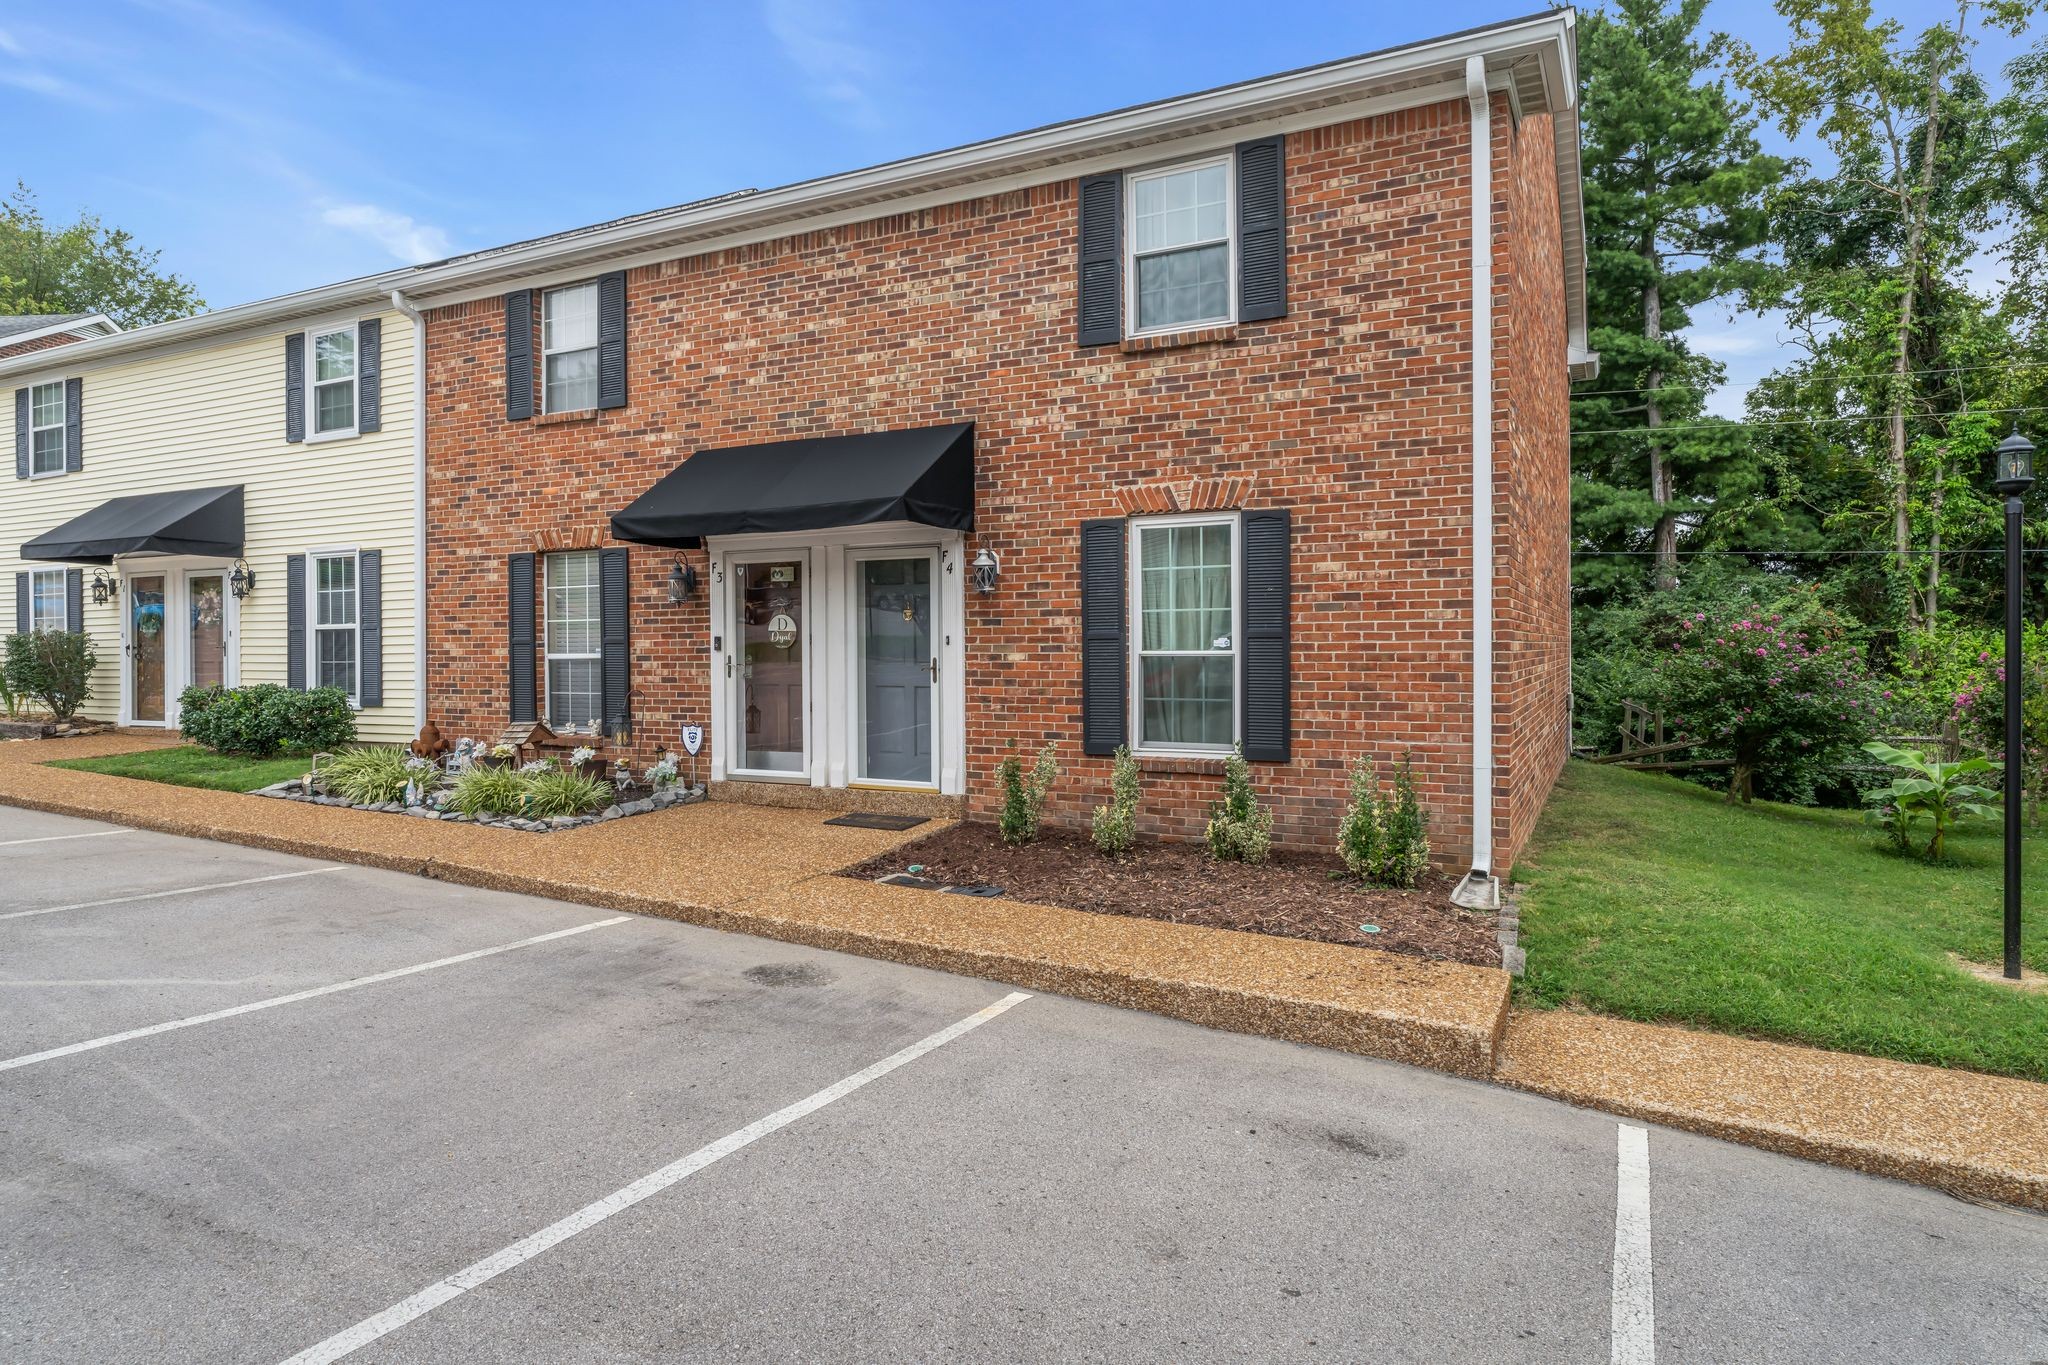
<point>294,789</point>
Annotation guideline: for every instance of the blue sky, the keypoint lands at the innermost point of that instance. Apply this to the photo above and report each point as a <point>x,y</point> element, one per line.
<point>267,148</point>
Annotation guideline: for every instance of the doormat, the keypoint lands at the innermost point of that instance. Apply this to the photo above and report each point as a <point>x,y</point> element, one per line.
<point>868,820</point>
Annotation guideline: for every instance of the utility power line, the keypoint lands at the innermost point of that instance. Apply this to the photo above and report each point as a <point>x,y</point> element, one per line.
<point>1833,378</point>
<point>1731,424</point>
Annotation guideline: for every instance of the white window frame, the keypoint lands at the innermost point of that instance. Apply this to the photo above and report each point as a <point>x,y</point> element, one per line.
<point>314,385</point>
<point>62,428</point>
<point>546,295</point>
<point>1134,576</point>
<point>548,656</point>
<point>1228,161</point>
<point>35,580</point>
<point>313,627</point>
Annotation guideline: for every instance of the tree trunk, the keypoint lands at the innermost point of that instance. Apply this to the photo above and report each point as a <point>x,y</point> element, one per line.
<point>1934,539</point>
<point>1742,777</point>
<point>1916,201</point>
<point>1665,538</point>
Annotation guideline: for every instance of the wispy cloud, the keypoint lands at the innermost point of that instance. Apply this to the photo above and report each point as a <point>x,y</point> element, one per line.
<point>11,45</point>
<point>818,36</point>
<point>52,87</point>
<point>407,240</point>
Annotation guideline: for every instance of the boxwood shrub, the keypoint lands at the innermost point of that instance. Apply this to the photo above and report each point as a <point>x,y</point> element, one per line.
<point>266,719</point>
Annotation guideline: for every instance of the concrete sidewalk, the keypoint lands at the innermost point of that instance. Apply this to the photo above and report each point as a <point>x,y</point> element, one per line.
<point>769,873</point>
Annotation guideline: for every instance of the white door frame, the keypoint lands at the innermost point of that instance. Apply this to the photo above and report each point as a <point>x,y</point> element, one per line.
<point>831,659</point>
<point>856,688</point>
<point>177,572</point>
<point>726,716</point>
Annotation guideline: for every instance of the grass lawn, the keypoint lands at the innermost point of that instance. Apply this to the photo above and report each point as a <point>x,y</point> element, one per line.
<point>1650,899</point>
<point>190,766</point>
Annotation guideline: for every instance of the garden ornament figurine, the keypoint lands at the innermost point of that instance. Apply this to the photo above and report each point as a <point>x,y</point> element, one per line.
<point>431,743</point>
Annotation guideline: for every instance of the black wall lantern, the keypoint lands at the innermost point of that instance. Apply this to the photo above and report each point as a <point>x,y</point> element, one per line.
<point>682,582</point>
<point>987,569</point>
<point>242,581</point>
<point>105,587</point>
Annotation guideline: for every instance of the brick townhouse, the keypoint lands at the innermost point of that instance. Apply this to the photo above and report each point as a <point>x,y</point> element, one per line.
<point>1161,428</point>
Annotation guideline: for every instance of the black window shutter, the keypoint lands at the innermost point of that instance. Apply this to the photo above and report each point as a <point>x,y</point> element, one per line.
<point>370,616</point>
<point>519,613</point>
<point>295,387</point>
<point>21,433</point>
<point>1267,593</point>
<point>1102,259</point>
<point>1262,229</point>
<point>519,357</point>
<point>21,610</point>
<point>615,609</point>
<point>74,600</point>
<point>1105,652</point>
<point>295,622</point>
<point>369,377</point>
<point>74,425</point>
<point>611,340</point>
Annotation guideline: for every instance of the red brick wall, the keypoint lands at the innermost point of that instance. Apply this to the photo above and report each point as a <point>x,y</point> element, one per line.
<point>1351,411</point>
<point>39,344</point>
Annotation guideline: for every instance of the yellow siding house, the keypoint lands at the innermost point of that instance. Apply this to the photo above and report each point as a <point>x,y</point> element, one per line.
<point>231,498</point>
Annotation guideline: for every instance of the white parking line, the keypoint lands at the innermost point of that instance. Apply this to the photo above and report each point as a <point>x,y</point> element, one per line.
<point>1634,1325</point>
<point>60,838</point>
<point>296,996</point>
<point>590,1215</point>
<point>176,891</point>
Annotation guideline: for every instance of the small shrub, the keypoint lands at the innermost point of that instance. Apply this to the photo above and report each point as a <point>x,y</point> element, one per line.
<point>561,792</point>
<point>53,666</point>
<point>1240,829</point>
<point>1945,794</point>
<point>487,791</point>
<point>1116,824</point>
<point>1359,839</point>
<point>1384,838</point>
<point>369,776</point>
<point>1024,794</point>
<point>266,719</point>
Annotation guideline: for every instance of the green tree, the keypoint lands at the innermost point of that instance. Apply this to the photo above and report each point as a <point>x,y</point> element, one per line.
<point>83,267</point>
<point>1675,188</point>
<point>1874,252</point>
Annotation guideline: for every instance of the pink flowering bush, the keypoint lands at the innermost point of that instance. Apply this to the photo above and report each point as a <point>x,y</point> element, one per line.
<point>1773,694</point>
<point>1977,705</point>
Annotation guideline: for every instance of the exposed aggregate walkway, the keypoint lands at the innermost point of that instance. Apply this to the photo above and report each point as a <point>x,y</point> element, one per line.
<point>769,872</point>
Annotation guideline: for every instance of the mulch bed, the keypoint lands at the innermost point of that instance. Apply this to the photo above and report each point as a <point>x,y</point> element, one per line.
<point>1296,895</point>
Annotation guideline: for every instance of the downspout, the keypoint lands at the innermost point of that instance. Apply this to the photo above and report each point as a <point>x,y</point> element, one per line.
<point>419,506</point>
<point>1480,889</point>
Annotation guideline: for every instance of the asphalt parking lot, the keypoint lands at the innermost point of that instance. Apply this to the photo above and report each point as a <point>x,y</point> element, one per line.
<point>255,1108</point>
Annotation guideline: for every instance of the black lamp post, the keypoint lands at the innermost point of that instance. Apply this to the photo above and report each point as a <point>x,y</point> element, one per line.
<point>2015,476</point>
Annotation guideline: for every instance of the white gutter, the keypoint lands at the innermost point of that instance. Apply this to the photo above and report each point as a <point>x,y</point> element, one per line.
<point>419,506</point>
<point>1480,889</point>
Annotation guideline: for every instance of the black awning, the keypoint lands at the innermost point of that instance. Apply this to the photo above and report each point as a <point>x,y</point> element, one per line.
<point>925,476</point>
<point>191,521</point>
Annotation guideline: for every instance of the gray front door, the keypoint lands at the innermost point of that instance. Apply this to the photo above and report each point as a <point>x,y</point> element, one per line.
<point>898,667</point>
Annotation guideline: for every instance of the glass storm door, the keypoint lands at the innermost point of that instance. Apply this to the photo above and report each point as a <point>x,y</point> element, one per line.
<point>769,619</point>
<point>207,610</point>
<point>897,667</point>
<point>146,647</point>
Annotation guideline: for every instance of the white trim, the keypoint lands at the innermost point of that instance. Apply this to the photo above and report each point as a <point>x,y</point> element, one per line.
<point>597,302</point>
<point>63,598</point>
<point>1229,240</point>
<point>177,572</point>
<point>547,656</point>
<point>62,428</point>
<point>1480,102</point>
<point>1134,609</point>
<point>314,384</point>
<point>855,748</point>
<point>313,626</point>
<point>830,760</point>
<point>85,328</point>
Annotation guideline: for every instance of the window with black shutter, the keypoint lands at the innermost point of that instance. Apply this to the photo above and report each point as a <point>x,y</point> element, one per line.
<point>1105,657</point>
